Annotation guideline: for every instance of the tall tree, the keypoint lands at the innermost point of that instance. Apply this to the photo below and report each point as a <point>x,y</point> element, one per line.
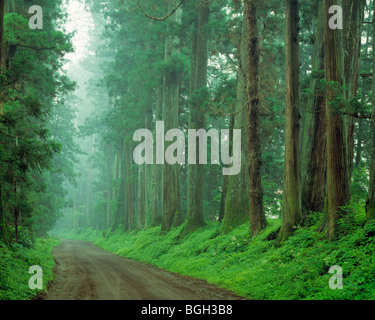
<point>26,109</point>
<point>2,217</point>
<point>337,174</point>
<point>314,156</point>
<point>171,108</point>
<point>370,202</point>
<point>198,94</point>
<point>257,215</point>
<point>291,211</point>
<point>352,37</point>
<point>237,204</point>
<point>157,191</point>
<point>2,13</point>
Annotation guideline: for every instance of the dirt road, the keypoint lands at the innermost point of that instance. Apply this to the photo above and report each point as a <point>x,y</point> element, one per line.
<point>86,272</point>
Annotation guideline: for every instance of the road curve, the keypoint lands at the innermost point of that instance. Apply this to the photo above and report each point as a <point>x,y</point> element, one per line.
<point>86,272</point>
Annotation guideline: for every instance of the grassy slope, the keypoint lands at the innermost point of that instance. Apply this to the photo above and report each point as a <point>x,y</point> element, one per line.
<point>15,264</point>
<point>256,268</point>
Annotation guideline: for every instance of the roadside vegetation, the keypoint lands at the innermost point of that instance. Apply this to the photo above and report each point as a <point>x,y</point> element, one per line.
<point>15,261</point>
<point>256,267</point>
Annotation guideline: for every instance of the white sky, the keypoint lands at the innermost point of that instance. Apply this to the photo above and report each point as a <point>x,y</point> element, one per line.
<point>80,22</point>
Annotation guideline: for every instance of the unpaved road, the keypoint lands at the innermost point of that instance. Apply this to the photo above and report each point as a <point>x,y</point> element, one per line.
<point>86,272</point>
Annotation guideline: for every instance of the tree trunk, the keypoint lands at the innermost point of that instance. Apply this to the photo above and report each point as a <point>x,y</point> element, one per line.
<point>291,214</point>
<point>2,13</point>
<point>358,152</point>
<point>171,108</point>
<point>120,193</point>
<point>3,226</point>
<point>148,174</point>
<point>130,203</point>
<point>109,175</point>
<point>353,21</point>
<point>370,202</point>
<point>198,83</point>
<point>257,216</point>
<point>224,193</point>
<point>2,64</point>
<point>237,204</point>
<point>141,195</point>
<point>314,152</point>
<point>88,212</point>
<point>337,174</point>
<point>157,190</point>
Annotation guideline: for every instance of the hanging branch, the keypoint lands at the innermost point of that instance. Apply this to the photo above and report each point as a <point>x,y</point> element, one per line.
<point>160,19</point>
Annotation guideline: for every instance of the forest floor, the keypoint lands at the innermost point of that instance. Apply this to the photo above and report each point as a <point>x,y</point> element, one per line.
<point>86,272</point>
<point>255,268</point>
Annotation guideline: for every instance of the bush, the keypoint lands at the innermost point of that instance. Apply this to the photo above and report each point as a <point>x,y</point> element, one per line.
<point>15,263</point>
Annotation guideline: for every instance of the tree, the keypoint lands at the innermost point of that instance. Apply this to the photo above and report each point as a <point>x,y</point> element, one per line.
<point>337,174</point>
<point>31,87</point>
<point>352,37</point>
<point>257,216</point>
<point>171,108</point>
<point>3,231</point>
<point>198,95</point>
<point>291,212</point>
<point>314,157</point>
<point>237,204</point>
<point>370,201</point>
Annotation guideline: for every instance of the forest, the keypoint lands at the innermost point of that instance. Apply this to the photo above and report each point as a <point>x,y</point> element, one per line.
<point>228,140</point>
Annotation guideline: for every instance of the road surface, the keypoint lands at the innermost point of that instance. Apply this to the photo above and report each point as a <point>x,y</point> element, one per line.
<point>86,272</point>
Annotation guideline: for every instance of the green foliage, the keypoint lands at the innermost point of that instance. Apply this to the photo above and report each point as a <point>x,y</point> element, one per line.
<point>177,64</point>
<point>256,268</point>
<point>360,182</point>
<point>34,122</point>
<point>15,263</point>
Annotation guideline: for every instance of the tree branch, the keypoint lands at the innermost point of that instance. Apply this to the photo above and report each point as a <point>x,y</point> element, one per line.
<point>160,19</point>
<point>34,48</point>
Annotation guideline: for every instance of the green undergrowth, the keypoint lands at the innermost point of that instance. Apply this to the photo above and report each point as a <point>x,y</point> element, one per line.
<point>15,262</point>
<point>256,268</point>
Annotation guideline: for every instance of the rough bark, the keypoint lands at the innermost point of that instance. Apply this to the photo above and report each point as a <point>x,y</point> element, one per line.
<point>291,211</point>
<point>171,107</point>
<point>337,174</point>
<point>198,81</point>
<point>157,190</point>
<point>370,201</point>
<point>353,21</point>
<point>148,175</point>
<point>360,139</point>
<point>129,191</point>
<point>2,12</point>
<point>237,202</point>
<point>141,196</point>
<point>314,156</point>
<point>2,218</point>
<point>88,206</point>
<point>120,193</point>
<point>109,176</point>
